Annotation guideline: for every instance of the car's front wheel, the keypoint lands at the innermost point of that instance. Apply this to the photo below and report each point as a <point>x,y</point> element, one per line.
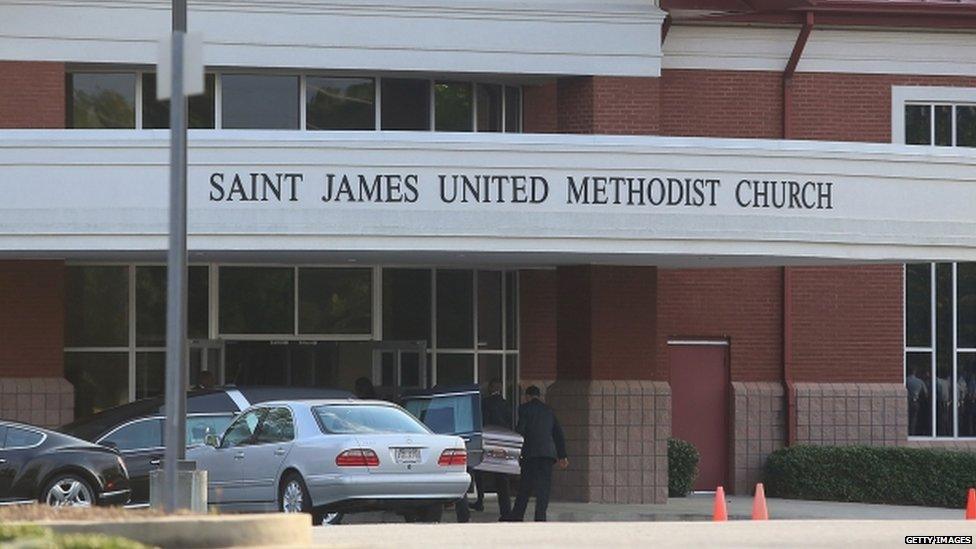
<point>68,490</point>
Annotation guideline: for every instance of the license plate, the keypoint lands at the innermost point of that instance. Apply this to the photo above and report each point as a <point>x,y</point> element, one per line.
<point>407,455</point>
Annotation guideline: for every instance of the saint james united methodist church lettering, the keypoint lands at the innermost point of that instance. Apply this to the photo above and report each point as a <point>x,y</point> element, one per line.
<point>668,191</point>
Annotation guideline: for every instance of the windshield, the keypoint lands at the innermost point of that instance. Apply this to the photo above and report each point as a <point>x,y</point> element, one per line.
<point>340,419</point>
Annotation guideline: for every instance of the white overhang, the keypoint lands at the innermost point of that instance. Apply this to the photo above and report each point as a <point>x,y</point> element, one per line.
<point>77,193</point>
<point>541,37</point>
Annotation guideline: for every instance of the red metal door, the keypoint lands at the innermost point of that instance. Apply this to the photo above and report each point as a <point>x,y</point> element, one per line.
<point>700,407</point>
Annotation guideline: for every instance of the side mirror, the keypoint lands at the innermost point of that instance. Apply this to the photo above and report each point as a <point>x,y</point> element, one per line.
<point>110,444</point>
<point>211,440</point>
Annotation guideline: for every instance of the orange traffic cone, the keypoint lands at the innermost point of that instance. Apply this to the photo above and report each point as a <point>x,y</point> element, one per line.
<point>971,504</point>
<point>759,511</point>
<point>720,514</point>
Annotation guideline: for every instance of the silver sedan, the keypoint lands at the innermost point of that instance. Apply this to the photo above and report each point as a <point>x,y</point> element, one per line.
<point>328,457</point>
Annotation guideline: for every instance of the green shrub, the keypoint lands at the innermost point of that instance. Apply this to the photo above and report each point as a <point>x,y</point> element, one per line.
<point>682,467</point>
<point>35,537</point>
<point>9,532</point>
<point>904,476</point>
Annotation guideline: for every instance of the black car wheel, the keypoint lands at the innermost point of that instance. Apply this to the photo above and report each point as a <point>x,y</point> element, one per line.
<point>68,490</point>
<point>326,518</point>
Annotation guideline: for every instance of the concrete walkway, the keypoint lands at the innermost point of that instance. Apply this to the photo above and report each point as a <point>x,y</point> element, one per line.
<point>698,508</point>
<point>603,535</point>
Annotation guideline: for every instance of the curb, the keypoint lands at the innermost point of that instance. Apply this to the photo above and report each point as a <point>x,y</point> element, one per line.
<point>193,531</point>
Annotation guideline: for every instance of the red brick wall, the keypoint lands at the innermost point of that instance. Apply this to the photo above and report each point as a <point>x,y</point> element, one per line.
<point>539,114</point>
<point>743,305</point>
<point>852,107</point>
<point>624,322</point>
<point>721,103</point>
<point>847,323</point>
<point>607,318</point>
<point>31,94</point>
<point>31,318</point>
<point>593,105</point>
<point>537,324</point>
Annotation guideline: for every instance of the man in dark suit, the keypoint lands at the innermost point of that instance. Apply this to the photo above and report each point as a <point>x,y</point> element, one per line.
<point>543,446</point>
<point>495,410</point>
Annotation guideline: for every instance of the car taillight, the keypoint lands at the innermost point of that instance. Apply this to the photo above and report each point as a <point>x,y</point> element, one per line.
<point>358,457</point>
<point>453,456</point>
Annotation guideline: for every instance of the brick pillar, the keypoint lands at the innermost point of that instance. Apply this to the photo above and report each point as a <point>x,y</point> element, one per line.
<point>32,94</point>
<point>617,418</point>
<point>32,384</point>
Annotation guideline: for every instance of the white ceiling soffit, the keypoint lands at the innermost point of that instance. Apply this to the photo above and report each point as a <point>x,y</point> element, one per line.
<point>564,37</point>
<point>863,51</point>
<point>558,197</point>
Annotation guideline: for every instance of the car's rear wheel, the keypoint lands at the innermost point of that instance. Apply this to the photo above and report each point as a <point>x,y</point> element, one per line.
<point>68,490</point>
<point>293,496</point>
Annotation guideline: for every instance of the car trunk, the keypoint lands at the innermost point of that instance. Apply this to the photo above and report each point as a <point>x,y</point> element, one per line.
<point>402,453</point>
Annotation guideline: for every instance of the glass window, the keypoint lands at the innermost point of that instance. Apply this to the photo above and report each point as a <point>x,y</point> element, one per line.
<point>340,103</point>
<point>966,382</point>
<point>918,305</point>
<point>335,301</point>
<point>101,380</point>
<point>918,124</point>
<point>198,427</point>
<point>918,382</point>
<point>513,109</point>
<point>446,415</point>
<point>241,431</point>
<point>257,300</point>
<point>150,374</point>
<point>489,310</point>
<point>453,107</point>
<point>200,108</point>
<point>966,304</point>
<point>277,426</point>
<point>406,304</point>
<point>455,369</point>
<point>140,435</point>
<point>455,309</point>
<point>489,108</point>
<point>511,383</point>
<point>21,438</point>
<point>405,104</point>
<point>252,101</point>
<point>943,125</point>
<point>358,419</point>
<point>151,305</point>
<point>96,306</point>
<point>101,100</point>
<point>511,310</point>
<point>3,435</point>
<point>943,349</point>
<point>489,369</point>
<point>966,125</point>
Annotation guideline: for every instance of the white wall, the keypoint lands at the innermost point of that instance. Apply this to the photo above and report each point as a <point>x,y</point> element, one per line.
<point>828,50</point>
<point>102,191</point>
<point>545,37</point>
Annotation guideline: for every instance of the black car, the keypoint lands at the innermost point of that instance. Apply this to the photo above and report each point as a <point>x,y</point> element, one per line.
<point>136,429</point>
<point>41,465</point>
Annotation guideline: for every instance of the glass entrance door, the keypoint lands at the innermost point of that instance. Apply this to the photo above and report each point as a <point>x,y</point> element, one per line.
<point>399,366</point>
<point>206,355</point>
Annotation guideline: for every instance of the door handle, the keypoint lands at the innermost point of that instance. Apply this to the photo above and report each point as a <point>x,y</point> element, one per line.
<point>2,461</point>
<point>279,452</point>
<point>155,462</point>
<point>239,456</point>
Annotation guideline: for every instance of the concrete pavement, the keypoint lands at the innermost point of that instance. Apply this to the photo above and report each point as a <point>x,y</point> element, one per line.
<point>552,535</point>
<point>698,507</point>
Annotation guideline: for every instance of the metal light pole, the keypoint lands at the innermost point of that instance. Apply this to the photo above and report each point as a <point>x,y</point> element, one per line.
<point>176,352</point>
